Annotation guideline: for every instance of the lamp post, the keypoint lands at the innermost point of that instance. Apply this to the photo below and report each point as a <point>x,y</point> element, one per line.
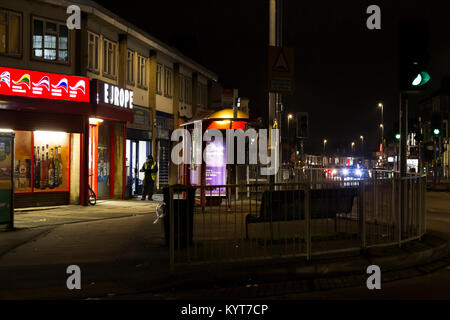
<point>324,143</point>
<point>353,147</point>
<point>382,138</point>
<point>290,116</point>
<point>380,105</point>
<point>362,144</point>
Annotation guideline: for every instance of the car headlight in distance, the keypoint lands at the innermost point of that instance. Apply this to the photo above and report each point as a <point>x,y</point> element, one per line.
<point>334,172</point>
<point>345,172</point>
<point>358,172</point>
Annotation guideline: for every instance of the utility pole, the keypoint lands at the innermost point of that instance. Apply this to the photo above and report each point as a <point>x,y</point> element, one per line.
<point>403,136</point>
<point>403,132</point>
<point>275,99</point>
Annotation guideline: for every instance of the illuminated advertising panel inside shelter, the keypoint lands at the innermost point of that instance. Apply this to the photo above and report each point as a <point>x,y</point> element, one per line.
<point>215,173</point>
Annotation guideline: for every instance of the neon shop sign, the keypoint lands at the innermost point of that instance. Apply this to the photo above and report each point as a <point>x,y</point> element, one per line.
<point>34,84</point>
<point>115,95</point>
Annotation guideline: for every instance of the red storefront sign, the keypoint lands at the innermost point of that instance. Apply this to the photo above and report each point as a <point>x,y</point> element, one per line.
<point>34,84</point>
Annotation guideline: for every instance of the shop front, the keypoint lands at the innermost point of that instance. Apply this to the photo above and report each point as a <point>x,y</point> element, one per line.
<point>64,137</point>
<point>138,146</point>
<point>47,113</point>
<point>113,108</point>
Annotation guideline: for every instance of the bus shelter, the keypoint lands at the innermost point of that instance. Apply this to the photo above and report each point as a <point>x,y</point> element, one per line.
<point>216,172</point>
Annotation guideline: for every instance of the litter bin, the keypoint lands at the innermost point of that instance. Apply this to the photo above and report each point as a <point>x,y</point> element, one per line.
<point>183,215</point>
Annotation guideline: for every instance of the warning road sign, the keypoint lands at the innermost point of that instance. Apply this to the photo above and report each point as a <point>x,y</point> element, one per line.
<point>281,70</point>
<point>281,63</point>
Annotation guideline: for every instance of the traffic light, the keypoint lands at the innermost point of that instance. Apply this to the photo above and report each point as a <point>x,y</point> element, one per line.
<point>428,151</point>
<point>302,125</point>
<point>413,56</point>
<point>436,124</point>
<point>398,136</point>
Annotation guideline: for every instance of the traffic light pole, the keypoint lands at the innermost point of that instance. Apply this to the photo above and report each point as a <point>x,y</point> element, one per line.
<point>403,132</point>
<point>403,137</point>
<point>434,162</point>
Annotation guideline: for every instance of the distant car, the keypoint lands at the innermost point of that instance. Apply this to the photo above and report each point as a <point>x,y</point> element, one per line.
<point>331,172</point>
<point>349,172</point>
<point>358,173</point>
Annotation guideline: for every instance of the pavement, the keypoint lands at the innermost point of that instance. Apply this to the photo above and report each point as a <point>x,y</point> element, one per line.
<point>442,186</point>
<point>104,209</point>
<point>122,255</point>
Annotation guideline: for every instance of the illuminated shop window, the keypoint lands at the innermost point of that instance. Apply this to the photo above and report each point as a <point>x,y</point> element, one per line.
<point>41,161</point>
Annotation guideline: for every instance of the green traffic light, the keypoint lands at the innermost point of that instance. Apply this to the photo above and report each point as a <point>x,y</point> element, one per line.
<point>436,131</point>
<point>421,79</point>
<point>397,136</point>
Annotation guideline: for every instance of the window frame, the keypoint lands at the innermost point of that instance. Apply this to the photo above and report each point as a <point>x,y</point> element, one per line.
<point>168,93</point>
<point>181,88</point>
<point>107,73</point>
<point>199,93</point>
<point>57,49</point>
<point>130,80</point>
<point>20,15</point>
<point>158,85</point>
<point>96,36</point>
<point>188,90</point>
<point>202,95</point>
<point>142,81</point>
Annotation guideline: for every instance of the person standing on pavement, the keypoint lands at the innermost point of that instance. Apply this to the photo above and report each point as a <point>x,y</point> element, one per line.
<point>150,168</point>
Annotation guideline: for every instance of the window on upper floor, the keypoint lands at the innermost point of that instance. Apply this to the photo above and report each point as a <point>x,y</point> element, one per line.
<point>188,90</point>
<point>181,89</point>
<point>93,52</point>
<point>168,82</point>
<point>130,67</point>
<point>109,58</point>
<point>202,95</point>
<point>142,71</point>
<point>50,40</point>
<point>158,78</point>
<point>10,33</point>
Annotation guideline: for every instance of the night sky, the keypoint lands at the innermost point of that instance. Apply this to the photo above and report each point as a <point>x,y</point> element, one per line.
<point>342,69</point>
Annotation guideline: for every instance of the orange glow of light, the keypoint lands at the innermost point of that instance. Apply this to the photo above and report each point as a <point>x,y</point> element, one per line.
<point>225,124</point>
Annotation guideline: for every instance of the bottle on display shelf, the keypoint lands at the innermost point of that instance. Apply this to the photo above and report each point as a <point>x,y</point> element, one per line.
<point>46,167</point>
<point>56,172</point>
<point>51,171</point>
<point>37,170</point>
<point>42,175</point>
<point>34,157</point>
<point>60,167</point>
<point>34,162</point>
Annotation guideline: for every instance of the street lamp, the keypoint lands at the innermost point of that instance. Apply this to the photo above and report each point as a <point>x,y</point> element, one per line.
<point>362,142</point>
<point>353,146</point>
<point>290,116</point>
<point>380,105</point>
<point>324,143</point>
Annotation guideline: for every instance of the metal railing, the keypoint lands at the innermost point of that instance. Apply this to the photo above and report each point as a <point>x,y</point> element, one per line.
<point>313,215</point>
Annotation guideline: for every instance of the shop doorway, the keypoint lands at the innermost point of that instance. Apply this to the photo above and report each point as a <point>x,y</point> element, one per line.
<point>137,152</point>
<point>100,158</point>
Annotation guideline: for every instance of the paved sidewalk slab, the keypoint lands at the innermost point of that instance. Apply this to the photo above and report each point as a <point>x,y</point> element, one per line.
<point>104,209</point>
<point>9,240</point>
